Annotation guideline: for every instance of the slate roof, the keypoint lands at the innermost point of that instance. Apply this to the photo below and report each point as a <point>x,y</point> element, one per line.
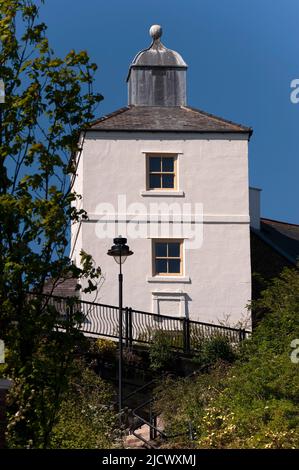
<point>64,287</point>
<point>282,236</point>
<point>166,119</point>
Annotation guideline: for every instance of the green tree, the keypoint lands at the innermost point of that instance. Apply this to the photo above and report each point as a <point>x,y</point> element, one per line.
<point>48,102</point>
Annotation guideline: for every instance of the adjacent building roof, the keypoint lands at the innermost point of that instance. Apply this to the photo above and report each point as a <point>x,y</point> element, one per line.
<point>282,236</point>
<point>63,287</point>
<point>274,247</point>
<point>166,119</point>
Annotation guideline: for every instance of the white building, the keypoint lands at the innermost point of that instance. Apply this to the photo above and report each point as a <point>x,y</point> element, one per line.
<point>158,153</point>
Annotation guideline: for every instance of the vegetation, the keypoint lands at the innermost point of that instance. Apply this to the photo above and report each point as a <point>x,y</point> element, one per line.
<point>54,401</point>
<point>105,348</point>
<point>48,101</point>
<point>86,419</point>
<point>214,348</point>
<point>254,402</point>
<point>161,352</point>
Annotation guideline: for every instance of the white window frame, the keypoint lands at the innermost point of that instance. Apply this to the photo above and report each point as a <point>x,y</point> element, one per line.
<point>162,192</point>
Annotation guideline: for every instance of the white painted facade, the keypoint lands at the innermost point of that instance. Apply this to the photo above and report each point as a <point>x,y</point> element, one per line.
<point>212,177</point>
<point>212,170</point>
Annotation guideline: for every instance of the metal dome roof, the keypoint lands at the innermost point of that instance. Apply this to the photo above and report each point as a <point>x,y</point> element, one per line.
<point>157,55</point>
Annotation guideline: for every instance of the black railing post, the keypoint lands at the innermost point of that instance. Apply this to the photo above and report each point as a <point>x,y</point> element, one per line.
<point>130,320</point>
<point>186,335</point>
<point>242,334</point>
<point>151,436</point>
<point>127,326</point>
<point>70,314</point>
<point>155,422</point>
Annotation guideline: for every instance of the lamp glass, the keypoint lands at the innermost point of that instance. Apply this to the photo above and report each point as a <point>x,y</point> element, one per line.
<point>120,259</point>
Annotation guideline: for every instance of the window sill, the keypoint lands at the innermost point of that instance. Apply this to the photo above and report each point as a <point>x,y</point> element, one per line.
<point>156,192</point>
<point>172,279</point>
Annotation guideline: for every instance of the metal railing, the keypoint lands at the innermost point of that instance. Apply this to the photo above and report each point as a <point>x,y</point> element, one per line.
<point>152,416</point>
<point>138,326</point>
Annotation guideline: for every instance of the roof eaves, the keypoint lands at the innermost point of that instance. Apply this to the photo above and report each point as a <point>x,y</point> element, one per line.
<point>263,219</point>
<point>187,131</point>
<point>108,116</point>
<point>220,119</point>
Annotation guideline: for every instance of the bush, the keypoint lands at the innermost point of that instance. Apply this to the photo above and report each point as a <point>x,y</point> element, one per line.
<point>182,401</point>
<point>254,402</point>
<point>160,350</point>
<point>86,419</point>
<point>256,408</point>
<point>105,348</point>
<point>213,349</point>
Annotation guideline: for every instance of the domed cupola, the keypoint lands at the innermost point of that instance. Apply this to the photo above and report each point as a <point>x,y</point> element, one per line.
<point>157,75</point>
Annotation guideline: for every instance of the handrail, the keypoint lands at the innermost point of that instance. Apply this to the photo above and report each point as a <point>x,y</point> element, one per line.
<point>151,400</point>
<point>163,434</point>
<point>138,390</point>
<point>102,325</point>
<point>145,421</point>
<point>159,316</point>
<point>73,298</point>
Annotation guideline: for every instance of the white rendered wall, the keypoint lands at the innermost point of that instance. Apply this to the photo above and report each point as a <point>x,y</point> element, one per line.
<point>213,170</point>
<point>76,232</point>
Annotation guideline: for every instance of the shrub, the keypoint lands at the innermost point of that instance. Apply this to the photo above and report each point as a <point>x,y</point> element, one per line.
<point>182,401</point>
<point>257,407</point>
<point>216,348</point>
<point>213,349</point>
<point>160,350</point>
<point>105,348</point>
<point>86,419</point>
<point>254,402</point>
<point>175,337</point>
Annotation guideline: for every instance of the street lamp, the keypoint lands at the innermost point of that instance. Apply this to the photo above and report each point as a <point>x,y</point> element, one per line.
<point>120,251</point>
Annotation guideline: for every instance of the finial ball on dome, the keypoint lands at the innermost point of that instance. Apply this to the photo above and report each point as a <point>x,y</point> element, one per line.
<point>156,31</point>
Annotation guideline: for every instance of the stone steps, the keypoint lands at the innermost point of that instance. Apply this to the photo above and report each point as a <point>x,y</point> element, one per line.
<point>132,442</point>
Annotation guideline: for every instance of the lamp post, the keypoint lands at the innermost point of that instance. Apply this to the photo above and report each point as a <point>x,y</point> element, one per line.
<point>120,251</point>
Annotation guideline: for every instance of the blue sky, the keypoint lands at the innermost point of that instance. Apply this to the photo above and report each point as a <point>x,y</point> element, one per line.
<point>242,56</point>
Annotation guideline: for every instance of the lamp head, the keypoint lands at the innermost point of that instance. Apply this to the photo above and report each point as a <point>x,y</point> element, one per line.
<point>120,250</point>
